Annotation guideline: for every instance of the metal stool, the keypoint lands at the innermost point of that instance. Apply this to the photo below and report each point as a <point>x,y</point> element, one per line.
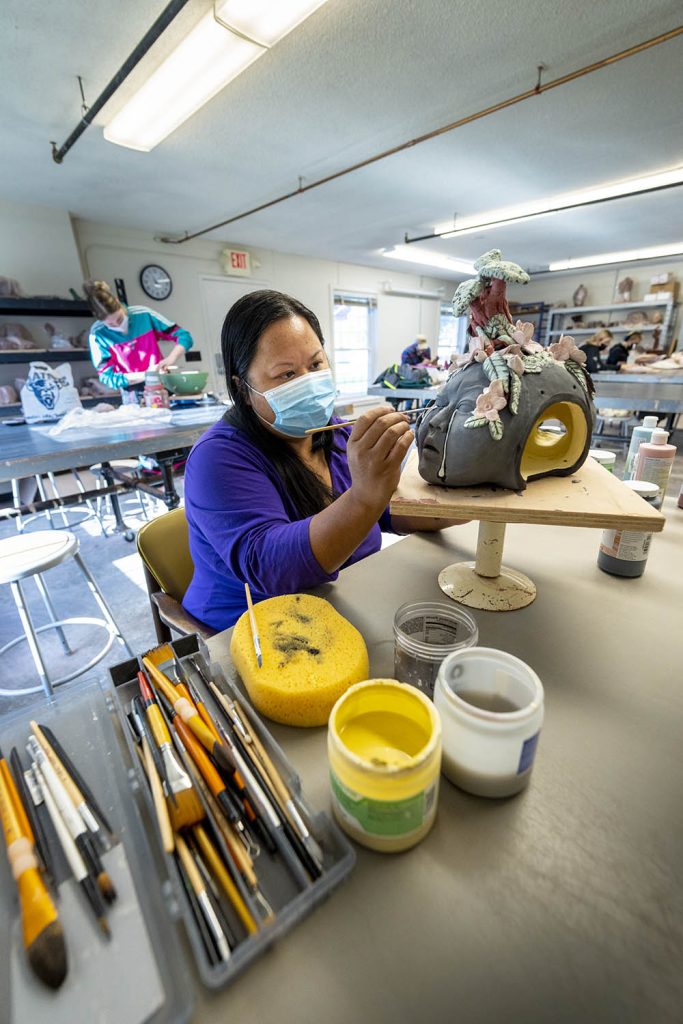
<point>30,554</point>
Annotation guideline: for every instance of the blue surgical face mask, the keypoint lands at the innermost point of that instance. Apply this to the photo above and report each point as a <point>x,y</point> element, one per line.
<point>301,404</point>
<point>121,328</point>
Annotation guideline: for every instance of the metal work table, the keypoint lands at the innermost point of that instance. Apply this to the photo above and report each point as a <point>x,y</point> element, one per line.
<point>29,450</point>
<point>562,904</point>
<point>639,391</point>
<point>403,394</point>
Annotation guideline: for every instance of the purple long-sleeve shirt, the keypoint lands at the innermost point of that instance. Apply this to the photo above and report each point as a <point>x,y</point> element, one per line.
<point>244,526</point>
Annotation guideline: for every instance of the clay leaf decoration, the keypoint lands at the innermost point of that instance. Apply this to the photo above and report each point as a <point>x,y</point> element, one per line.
<point>496,368</point>
<point>579,373</point>
<point>515,392</point>
<point>535,363</point>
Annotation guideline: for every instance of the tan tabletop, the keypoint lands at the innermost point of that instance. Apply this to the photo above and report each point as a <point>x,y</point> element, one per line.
<point>563,904</point>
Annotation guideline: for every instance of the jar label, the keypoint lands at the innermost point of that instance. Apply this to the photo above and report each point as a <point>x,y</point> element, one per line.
<point>526,758</point>
<point>626,544</point>
<point>383,817</point>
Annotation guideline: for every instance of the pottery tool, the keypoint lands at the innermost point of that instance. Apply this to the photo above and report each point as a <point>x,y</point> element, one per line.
<point>202,895</point>
<point>350,423</point>
<point>254,628</point>
<point>42,931</point>
<point>73,821</point>
<point>215,895</point>
<point>222,876</point>
<point>283,796</point>
<point>185,807</point>
<point>187,711</point>
<point>311,854</point>
<point>75,795</point>
<point>40,839</point>
<point>205,766</point>
<point>71,851</point>
<point>78,779</point>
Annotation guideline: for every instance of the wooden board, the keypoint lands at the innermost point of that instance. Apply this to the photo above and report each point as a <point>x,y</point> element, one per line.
<point>591,497</point>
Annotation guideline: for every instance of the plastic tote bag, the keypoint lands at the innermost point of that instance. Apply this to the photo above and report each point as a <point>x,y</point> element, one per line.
<point>49,392</point>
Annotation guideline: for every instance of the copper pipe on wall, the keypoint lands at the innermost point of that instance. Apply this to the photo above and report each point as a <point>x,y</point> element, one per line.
<point>537,90</point>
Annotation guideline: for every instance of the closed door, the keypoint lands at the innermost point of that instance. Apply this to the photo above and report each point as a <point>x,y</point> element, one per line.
<point>218,295</point>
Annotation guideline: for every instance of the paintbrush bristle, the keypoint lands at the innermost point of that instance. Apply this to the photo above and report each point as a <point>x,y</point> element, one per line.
<point>188,810</point>
<point>47,955</point>
<point>106,887</point>
<point>157,655</point>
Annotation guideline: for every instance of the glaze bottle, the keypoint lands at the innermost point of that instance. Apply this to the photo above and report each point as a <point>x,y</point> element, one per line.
<point>624,552</point>
<point>641,433</point>
<point>655,461</point>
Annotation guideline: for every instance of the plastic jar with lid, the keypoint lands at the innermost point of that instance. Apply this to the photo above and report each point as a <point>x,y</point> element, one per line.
<point>426,632</point>
<point>624,552</point>
<point>491,707</point>
<point>606,458</point>
<point>155,395</point>
<point>384,750</point>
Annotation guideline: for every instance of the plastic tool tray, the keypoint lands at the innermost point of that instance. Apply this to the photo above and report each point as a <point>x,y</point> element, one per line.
<point>140,974</point>
<point>290,902</point>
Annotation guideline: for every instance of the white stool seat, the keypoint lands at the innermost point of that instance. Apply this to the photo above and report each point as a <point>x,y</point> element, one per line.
<point>28,553</point>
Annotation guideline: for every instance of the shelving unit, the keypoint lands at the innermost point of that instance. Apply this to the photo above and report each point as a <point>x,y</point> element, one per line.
<point>17,309</point>
<point>556,315</point>
<point>533,312</point>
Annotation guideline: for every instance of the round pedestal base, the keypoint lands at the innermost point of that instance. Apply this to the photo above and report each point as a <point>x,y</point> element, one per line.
<point>503,593</point>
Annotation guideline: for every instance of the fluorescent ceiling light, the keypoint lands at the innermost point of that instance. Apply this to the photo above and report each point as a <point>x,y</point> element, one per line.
<point>553,204</point>
<point>629,256</point>
<point>209,57</point>
<point>411,254</point>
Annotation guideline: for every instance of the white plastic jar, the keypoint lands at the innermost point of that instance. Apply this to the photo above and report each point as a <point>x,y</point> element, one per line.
<point>491,707</point>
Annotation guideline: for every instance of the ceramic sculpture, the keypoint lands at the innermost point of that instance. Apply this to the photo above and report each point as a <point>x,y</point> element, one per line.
<point>484,427</point>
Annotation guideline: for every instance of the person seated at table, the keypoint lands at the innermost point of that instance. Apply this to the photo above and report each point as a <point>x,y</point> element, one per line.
<point>418,352</point>
<point>594,346</point>
<point>268,503</point>
<point>124,340</point>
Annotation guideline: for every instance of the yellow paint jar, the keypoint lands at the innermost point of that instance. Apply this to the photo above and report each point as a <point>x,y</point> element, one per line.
<point>384,749</point>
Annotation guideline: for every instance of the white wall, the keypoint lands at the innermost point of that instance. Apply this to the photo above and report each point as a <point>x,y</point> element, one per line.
<point>108,252</point>
<point>601,285</point>
<point>38,248</point>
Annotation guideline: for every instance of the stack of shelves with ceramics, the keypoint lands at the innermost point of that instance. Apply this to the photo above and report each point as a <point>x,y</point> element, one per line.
<point>16,309</point>
<point>621,318</point>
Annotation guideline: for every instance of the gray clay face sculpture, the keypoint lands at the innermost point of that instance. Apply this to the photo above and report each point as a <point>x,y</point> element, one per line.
<point>485,425</point>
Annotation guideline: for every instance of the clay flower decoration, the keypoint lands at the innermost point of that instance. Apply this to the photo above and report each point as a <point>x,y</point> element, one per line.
<point>513,357</point>
<point>490,401</point>
<point>477,348</point>
<point>565,349</point>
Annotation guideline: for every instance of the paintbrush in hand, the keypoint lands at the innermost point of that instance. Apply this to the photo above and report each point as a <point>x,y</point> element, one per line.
<point>254,628</point>
<point>42,931</point>
<point>350,423</point>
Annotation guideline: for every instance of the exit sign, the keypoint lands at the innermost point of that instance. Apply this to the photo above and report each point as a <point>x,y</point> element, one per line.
<point>237,262</point>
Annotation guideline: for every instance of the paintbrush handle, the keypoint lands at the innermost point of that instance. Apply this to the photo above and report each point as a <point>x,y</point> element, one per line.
<point>78,779</point>
<point>160,805</point>
<point>71,852</point>
<point>69,786</point>
<point>220,873</point>
<point>68,812</point>
<point>21,817</point>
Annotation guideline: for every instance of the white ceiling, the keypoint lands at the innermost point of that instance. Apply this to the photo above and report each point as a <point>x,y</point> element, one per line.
<point>356,78</point>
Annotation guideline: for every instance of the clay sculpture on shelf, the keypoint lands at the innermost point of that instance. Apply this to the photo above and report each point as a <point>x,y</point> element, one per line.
<point>485,425</point>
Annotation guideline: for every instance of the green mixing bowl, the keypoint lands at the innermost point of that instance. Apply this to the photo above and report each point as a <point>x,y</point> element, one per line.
<point>185,382</point>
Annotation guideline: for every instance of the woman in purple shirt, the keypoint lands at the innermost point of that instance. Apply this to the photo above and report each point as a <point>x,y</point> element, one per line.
<point>267,503</point>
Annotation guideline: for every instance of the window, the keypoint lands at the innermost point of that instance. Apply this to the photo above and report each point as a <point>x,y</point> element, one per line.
<point>354,341</point>
<point>452,333</point>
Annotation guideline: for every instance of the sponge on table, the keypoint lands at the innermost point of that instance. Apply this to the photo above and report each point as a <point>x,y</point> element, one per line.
<point>311,655</point>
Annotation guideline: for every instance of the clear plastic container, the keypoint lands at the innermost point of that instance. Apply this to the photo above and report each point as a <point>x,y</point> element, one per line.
<point>155,395</point>
<point>425,633</point>
<point>491,707</point>
<point>384,749</point>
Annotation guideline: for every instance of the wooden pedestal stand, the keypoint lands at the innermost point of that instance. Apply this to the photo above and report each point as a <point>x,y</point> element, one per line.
<point>592,497</point>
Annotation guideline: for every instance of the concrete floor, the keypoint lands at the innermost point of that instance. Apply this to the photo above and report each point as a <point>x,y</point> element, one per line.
<point>116,566</point>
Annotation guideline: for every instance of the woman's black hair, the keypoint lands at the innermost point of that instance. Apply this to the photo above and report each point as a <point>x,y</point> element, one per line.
<point>243,326</point>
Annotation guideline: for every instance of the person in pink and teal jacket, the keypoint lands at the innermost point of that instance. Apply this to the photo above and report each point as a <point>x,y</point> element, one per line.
<point>124,340</point>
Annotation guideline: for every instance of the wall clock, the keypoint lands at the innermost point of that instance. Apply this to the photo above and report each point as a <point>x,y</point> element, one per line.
<point>155,281</point>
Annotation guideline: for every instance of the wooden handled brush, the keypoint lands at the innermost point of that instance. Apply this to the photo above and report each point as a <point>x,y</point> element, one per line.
<point>42,930</point>
<point>184,806</point>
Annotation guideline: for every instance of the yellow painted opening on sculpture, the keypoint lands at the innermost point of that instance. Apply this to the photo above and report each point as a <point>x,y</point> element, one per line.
<point>546,450</point>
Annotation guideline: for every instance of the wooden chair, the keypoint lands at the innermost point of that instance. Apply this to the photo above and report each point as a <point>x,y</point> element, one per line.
<point>164,548</point>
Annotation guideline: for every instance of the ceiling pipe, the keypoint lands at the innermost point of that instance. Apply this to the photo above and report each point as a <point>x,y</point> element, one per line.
<point>147,41</point>
<point>537,90</point>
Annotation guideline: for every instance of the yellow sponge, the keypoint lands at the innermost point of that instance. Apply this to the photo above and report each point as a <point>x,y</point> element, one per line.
<point>311,655</point>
